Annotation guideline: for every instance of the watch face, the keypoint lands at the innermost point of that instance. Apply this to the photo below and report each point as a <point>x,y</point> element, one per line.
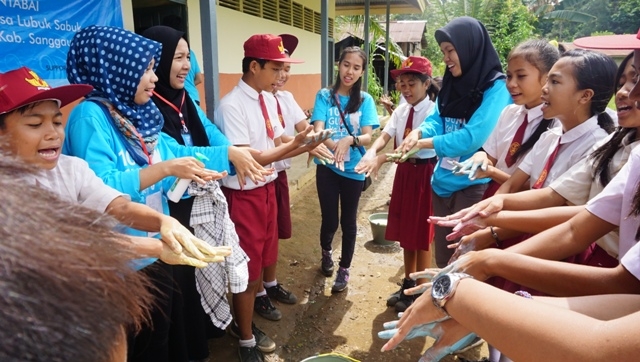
<point>442,286</point>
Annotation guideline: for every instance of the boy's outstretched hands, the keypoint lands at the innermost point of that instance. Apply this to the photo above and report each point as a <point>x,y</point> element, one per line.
<point>246,165</point>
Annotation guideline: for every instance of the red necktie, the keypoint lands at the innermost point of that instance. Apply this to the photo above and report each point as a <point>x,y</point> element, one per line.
<point>517,142</point>
<point>547,167</point>
<point>279,111</point>
<point>265,114</point>
<point>407,128</point>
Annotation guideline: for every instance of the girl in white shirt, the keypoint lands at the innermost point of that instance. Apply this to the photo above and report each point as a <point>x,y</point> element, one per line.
<point>410,205</point>
<point>520,124</point>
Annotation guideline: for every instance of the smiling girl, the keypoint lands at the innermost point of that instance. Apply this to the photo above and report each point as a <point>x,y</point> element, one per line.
<point>410,204</point>
<point>351,114</point>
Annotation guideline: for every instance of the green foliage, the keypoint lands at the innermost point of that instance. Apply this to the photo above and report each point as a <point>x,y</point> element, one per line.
<point>373,83</point>
<point>509,22</point>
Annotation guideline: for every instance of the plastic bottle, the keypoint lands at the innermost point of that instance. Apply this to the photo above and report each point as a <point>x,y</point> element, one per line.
<point>180,185</point>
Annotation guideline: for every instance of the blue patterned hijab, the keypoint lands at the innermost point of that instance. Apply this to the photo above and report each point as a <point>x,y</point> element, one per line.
<point>113,61</point>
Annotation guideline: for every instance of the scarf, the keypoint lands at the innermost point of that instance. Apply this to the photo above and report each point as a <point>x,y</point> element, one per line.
<point>113,61</point>
<point>169,39</point>
<point>480,64</point>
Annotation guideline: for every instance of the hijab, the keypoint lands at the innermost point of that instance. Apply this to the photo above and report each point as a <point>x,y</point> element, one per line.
<point>164,93</point>
<point>479,62</point>
<point>113,61</point>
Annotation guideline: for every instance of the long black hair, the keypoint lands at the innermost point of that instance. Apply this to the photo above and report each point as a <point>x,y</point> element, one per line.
<point>541,55</point>
<point>595,71</point>
<point>603,155</point>
<point>355,98</point>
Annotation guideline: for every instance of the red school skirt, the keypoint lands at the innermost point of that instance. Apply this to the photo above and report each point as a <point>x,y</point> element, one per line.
<point>410,205</point>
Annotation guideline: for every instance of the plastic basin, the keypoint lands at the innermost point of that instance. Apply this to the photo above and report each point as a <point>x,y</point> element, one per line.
<point>378,224</point>
<point>329,357</point>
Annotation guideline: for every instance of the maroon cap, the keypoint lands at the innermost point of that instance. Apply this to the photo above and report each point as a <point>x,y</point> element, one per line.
<point>268,47</point>
<point>413,64</point>
<point>290,43</point>
<point>23,86</point>
<point>622,42</point>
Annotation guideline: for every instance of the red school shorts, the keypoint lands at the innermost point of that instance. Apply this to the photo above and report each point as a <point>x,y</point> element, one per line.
<point>284,205</point>
<point>254,214</point>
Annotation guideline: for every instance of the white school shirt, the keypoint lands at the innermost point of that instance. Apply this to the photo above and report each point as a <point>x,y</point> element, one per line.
<point>579,184</point>
<point>292,115</point>
<point>72,180</point>
<point>240,119</point>
<point>614,203</point>
<point>576,144</point>
<point>398,121</point>
<point>499,141</point>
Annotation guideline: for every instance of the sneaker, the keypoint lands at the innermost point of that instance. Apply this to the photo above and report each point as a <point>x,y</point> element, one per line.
<point>263,342</point>
<point>341,280</point>
<point>406,284</point>
<point>250,354</point>
<point>266,309</point>
<point>404,301</point>
<point>327,263</point>
<point>282,295</point>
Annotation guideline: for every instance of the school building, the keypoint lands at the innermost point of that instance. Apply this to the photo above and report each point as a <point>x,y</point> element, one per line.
<point>236,20</point>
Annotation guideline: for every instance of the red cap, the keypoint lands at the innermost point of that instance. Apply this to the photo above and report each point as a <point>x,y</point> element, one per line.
<point>413,64</point>
<point>622,42</point>
<point>290,43</point>
<point>268,47</point>
<point>23,86</point>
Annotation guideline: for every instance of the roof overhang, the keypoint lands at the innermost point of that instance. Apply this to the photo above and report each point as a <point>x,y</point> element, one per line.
<point>356,7</point>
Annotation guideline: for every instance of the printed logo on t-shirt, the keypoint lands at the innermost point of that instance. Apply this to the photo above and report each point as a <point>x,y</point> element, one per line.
<point>452,124</point>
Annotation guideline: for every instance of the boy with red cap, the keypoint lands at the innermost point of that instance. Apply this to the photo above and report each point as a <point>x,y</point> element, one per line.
<point>292,118</point>
<point>247,116</point>
<point>33,130</point>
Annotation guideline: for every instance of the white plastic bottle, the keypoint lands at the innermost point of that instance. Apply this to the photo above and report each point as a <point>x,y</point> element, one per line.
<point>180,185</point>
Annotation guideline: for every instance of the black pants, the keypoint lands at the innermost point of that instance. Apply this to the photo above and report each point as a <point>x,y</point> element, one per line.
<point>334,189</point>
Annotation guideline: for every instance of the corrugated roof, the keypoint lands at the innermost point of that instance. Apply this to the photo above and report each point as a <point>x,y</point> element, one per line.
<point>356,7</point>
<point>409,31</point>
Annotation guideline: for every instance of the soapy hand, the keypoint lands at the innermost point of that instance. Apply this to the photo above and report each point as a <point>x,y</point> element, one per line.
<point>174,235</point>
<point>172,258</point>
<point>370,163</point>
<point>450,337</point>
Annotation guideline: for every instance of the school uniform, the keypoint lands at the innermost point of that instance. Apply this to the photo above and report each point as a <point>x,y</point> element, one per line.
<point>410,205</point>
<point>289,115</point>
<point>574,146</point>
<point>499,143</point>
<point>502,143</point>
<point>253,209</point>
<point>580,184</point>
<point>614,204</point>
<point>74,181</point>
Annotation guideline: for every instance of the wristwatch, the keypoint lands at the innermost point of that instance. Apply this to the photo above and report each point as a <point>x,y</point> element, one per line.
<point>443,288</point>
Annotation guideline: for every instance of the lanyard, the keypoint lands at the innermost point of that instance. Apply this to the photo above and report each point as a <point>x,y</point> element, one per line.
<point>143,145</point>
<point>184,126</point>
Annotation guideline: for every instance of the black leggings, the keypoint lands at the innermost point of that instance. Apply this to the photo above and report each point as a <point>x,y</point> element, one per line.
<point>333,188</point>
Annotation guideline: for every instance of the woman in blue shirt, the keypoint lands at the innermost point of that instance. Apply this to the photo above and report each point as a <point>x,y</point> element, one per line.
<point>473,94</point>
<point>351,115</point>
<point>117,131</point>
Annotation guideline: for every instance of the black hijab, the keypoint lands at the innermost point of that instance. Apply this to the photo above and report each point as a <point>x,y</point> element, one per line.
<point>169,39</point>
<point>480,64</point>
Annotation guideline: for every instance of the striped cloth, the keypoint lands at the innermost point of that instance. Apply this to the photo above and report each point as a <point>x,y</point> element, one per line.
<point>210,222</point>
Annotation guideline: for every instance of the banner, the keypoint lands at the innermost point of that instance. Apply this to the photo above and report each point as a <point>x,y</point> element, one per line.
<point>37,33</point>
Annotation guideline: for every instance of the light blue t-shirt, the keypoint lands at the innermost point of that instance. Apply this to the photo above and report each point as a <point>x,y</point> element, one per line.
<point>91,136</point>
<point>457,140</point>
<point>326,111</point>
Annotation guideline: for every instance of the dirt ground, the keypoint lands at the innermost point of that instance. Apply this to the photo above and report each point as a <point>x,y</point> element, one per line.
<point>346,322</point>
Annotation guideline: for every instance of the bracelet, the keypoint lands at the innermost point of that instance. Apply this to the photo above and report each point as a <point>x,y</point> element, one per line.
<point>495,236</point>
<point>523,294</point>
<point>356,141</point>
